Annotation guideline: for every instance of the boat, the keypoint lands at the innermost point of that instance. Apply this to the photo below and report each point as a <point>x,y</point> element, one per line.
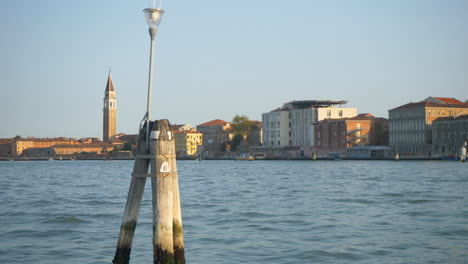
<point>245,157</point>
<point>335,155</point>
<point>259,156</point>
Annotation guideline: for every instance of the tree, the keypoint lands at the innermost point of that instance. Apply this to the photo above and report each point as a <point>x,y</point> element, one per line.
<point>235,142</point>
<point>241,125</point>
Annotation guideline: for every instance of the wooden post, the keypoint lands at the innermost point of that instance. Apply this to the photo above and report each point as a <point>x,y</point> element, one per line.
<point>132,208</point>
<point>168,240</point>
<point>178,232</point>
<point>168,245</point>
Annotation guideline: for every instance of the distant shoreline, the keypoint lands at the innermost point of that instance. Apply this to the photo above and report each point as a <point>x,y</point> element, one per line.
<point>233,159</point>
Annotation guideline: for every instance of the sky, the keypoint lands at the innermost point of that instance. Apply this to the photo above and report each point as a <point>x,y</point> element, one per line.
<point>217,58</point>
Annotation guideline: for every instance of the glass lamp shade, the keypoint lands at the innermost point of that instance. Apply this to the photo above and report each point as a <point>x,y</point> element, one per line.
<point>153,16</point>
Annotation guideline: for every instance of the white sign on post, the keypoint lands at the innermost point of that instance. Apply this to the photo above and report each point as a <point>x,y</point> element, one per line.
<point>165,167</point>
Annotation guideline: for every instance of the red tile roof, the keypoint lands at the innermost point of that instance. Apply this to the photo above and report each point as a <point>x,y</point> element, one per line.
<point>448,100</point>
<point>365,115</point>
<point>215,122</point>
<point>428,104</point>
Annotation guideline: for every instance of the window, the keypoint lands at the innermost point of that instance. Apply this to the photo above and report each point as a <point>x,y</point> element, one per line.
<point>340,113</point>
<point>328,112</point>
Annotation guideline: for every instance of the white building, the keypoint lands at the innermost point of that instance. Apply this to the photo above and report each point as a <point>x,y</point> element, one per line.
<point>293,124</point>
<point>276,128</point>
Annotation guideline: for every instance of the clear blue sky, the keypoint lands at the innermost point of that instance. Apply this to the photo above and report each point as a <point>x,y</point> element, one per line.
<point>218,58</point>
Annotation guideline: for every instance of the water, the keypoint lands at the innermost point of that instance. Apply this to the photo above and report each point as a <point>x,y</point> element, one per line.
<point>243,212</point>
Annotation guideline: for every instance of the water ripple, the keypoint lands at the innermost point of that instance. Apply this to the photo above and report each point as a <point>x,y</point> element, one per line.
<point>242,212</point>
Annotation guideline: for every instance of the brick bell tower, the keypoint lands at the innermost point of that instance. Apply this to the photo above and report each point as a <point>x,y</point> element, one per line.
<point>110,111</point>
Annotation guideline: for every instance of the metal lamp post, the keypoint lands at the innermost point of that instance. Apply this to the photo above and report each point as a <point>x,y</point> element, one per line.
<point>153,18</point>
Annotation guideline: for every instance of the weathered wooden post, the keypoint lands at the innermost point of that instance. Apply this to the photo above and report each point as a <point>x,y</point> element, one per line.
<point>164,167</point>
<point>168,242</point>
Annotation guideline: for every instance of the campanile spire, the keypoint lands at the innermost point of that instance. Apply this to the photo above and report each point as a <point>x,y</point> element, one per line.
<point>109,110</point>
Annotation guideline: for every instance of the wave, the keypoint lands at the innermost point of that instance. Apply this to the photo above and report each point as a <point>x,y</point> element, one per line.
<point>66,220</point>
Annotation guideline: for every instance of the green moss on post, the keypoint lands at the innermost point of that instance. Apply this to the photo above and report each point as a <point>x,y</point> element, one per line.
<point>163,257</point>
<point>129,227</point>
<point>179,251</point>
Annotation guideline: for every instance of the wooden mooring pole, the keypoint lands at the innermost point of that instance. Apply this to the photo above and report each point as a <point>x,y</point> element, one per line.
<point>157,152</point>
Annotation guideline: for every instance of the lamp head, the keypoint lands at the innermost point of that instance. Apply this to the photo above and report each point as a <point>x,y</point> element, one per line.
<point>153,16</point>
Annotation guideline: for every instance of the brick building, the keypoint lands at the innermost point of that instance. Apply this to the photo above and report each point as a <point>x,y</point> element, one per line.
<point>336,135</point>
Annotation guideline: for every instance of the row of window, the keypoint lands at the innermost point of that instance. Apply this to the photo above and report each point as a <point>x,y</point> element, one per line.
<point>407,125</point>
<point>451,135</point>
<point>406,138</point>
<point>411,149</point>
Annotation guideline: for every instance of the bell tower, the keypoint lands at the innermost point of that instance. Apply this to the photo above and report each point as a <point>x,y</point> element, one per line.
<point>110,111</point>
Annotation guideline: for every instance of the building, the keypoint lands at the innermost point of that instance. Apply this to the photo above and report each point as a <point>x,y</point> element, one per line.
<point>337,135</point>
<point>67,150</point>
<point>276,128</point>
<point>293,123</point>
<point>255,135</point>
<point>77,149</point>
<point>5,147</point>
<point>449,134</point>
<point>187,142</point>
<point>370,152</point>
<point>410,125</point>
<point>109,111</point>
<point>21,144</point>
<point>215,131</point>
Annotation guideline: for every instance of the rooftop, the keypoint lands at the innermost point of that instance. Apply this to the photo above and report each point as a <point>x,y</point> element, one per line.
<point>444,100</point>
<point>315,103</point>
<point>429,104</point>
<point>215,122</point>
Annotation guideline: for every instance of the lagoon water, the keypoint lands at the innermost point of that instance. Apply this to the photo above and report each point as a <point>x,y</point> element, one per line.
<point>243,212</point>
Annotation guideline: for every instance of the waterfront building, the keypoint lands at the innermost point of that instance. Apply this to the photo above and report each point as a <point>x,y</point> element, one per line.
<point>187,142</point>
<point>66,150</point>
<point>215,131</point>
<point>5,147</point>
<point>370,152</point>
<point>449,134</point>
<point>76,149</point>
<point>293,123</point>
<point>336,135</point>
<point>109,111</point>
<point>21,144</point>
<point>410,125</point>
